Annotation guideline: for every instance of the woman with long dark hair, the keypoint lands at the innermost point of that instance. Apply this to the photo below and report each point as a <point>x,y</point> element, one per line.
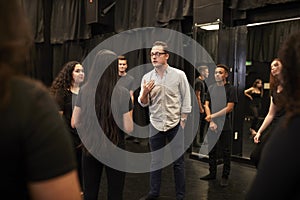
<point>37,161</point>
<point>112,107</point>
<point>278,173</point>
<point>276,110</point>
<point>255,94</point>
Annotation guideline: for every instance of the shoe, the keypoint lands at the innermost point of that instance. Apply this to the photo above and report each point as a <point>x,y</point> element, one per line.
<point>208,177</point>
<point>136,141</point>
<point>224,182</point>
<point>149,197</point>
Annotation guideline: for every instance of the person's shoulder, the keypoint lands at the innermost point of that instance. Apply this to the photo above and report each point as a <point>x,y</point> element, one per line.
<point>229,86</point>
<point>180,73</point>
<point>149,74</point>
<point>129,76</point>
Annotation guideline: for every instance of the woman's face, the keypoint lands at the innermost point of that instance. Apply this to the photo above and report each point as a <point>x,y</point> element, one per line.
<point>259,84</point>
<point>276,68</point>
<point>78,74</point>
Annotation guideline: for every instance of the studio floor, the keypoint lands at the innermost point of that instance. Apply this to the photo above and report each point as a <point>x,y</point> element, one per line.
<point>137,185</point>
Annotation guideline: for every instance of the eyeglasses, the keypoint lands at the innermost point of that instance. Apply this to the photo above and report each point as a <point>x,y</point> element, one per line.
<point>157,54</point>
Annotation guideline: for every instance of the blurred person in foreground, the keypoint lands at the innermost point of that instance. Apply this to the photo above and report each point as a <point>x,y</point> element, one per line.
<point>113,110</point>
<point>36,150</point>
<point>278,171</point>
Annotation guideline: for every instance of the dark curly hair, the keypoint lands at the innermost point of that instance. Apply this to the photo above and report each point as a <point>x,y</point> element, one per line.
<point>289,55</point>
<point>64,79</point>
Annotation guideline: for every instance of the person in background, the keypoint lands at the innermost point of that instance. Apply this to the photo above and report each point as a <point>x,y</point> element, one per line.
<point>201,90</point>
<point>278,171</point>
<point>216,111</point>
<point>255,94</point>
<point>276,111</point>
<point>109,99</point>
<point>126,80</point>
<point>167,93</point>
<point>35,147</point>
<point>64,89</point>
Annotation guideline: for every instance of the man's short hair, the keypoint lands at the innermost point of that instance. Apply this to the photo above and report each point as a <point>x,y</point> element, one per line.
<point>122,58</point>
<point>224,67</point>
<point>201,68</point>
<point>163,44</point>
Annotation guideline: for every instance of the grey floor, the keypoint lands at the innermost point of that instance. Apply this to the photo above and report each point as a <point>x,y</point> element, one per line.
<point>137,185</point>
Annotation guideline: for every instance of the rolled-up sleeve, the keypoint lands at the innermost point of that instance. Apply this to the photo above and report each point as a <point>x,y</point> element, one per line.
<point>185,94</point>
<point>141,92</point>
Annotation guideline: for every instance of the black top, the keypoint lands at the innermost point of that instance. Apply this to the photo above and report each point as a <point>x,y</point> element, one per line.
<point>219,96</point>
<point>201,86</point>
<point>256,99</point>
<point>66,101</point>
<point>126,81</point>
<point>35,144</point>
<point>278,173</point>
<point>277,100</point>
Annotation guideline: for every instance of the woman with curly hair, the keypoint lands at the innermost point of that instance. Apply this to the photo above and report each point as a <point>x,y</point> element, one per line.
<point>278,172</point>
<point>64,89</point>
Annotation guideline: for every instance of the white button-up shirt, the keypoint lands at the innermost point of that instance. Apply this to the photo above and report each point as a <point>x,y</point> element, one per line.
<point>168,99</point>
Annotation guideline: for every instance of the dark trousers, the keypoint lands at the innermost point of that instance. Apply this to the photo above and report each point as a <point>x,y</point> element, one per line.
<point>158,140</point>
<point>78,152</point>
<point>255,112</point>
<point>224,143</point>
<point>92,172</point>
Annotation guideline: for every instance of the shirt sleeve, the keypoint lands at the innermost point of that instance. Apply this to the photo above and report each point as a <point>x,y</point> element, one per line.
<point>141,92</point>
<point>185,94</point>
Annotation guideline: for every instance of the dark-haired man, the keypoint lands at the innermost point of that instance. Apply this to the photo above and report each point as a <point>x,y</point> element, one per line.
<point>219,105</point>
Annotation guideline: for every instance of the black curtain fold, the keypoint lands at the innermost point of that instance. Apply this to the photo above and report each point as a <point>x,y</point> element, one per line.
<point>130,14</point>
<point>34,10</point>
<point>252,4</point>
<point>264,41</point>
<point>68,21</point>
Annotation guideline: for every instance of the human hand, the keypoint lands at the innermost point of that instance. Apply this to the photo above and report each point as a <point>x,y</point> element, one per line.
<point>147,87</point>
<point>256,138</point>
<point>213,126</point>
<point>208,118</point>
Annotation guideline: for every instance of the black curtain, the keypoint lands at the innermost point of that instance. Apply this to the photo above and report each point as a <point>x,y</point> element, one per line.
<point>251,4</point>
<point>264,41</point>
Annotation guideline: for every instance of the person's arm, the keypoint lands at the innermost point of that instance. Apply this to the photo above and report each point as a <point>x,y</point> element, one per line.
<point>267,121</point>
<point>198,96</point>
<point>75,116</point>
<point>145,90</point>
<point>128,122</point>
<point>212,125</point>
<point>64,187</point>
<point>248,93</point>
<point>229,107</point>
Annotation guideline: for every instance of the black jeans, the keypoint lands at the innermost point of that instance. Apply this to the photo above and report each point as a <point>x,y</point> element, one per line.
<point>255,112</point>
<point>92,172</point>
<point>158,141</point>
<point>224,142</point>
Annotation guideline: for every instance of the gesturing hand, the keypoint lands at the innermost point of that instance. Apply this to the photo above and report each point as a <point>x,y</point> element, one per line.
<point>147,87</point>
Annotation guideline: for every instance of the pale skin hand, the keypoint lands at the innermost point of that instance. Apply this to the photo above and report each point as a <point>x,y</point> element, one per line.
<point>147,87</point>
<point>213,126</point>
<point>267,121</point>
